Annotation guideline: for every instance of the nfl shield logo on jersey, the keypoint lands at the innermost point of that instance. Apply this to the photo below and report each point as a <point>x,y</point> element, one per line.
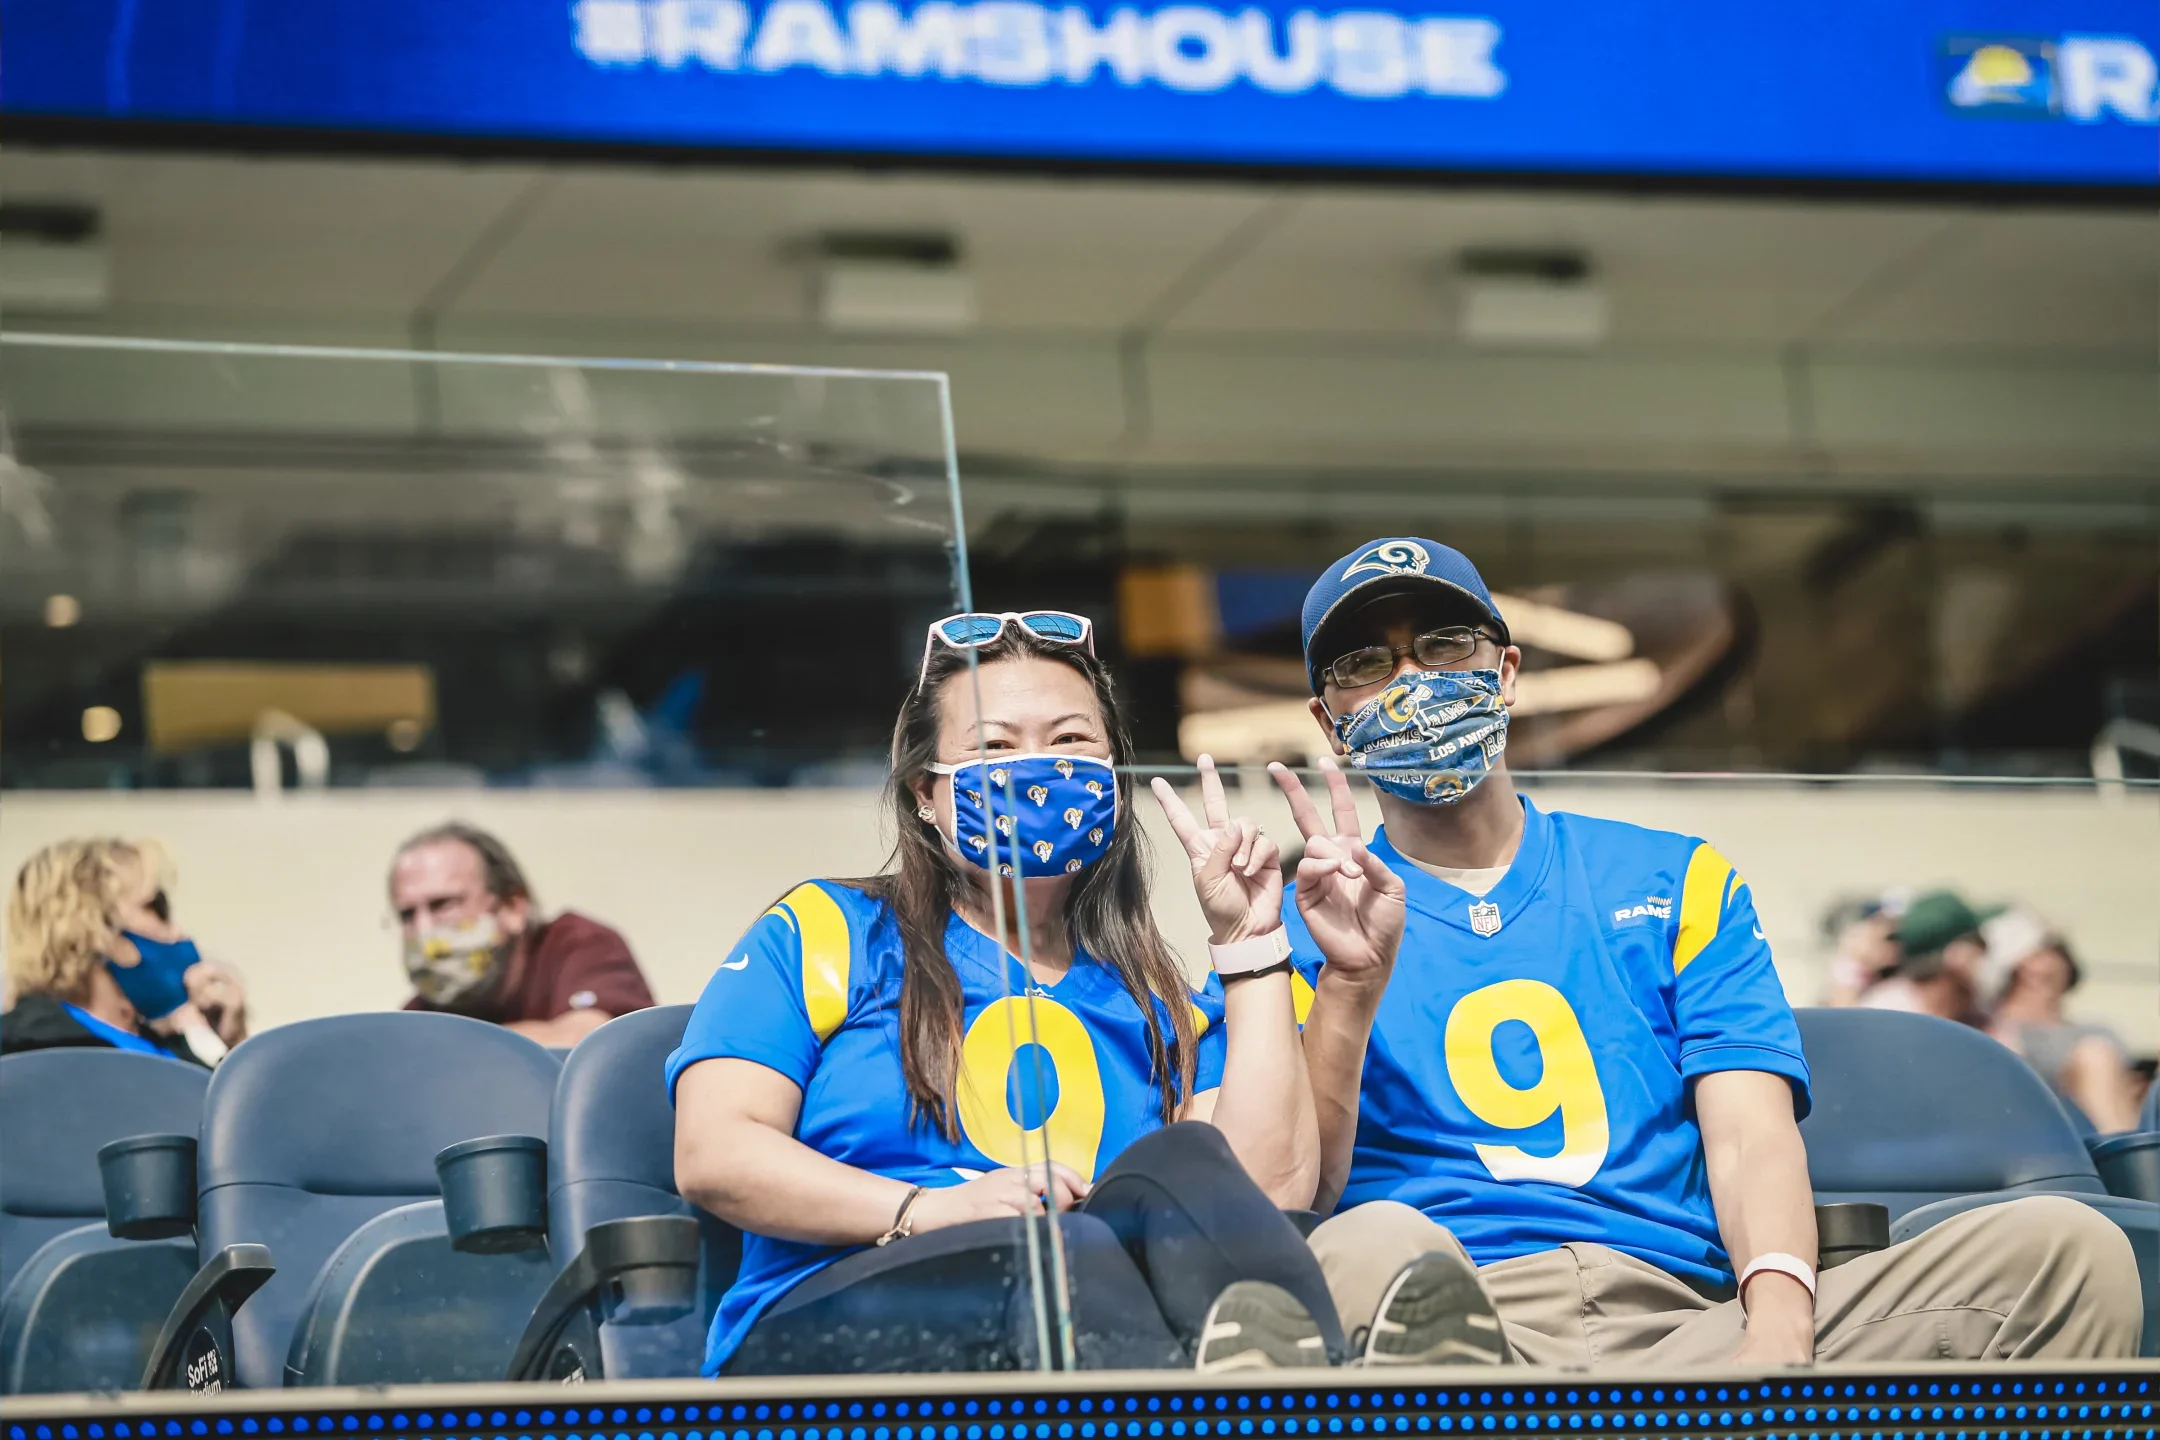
<point>1485,917</point>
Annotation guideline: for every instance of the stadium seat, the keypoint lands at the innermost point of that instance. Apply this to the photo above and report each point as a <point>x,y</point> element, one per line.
<point>314,1130</point>
<point>396,1304</point>
<point>1930,1118</point>
<point>611,1156</point>
<point>2149,1117</point>
<point>85,1310</point>
<point>79,1309</point>
<point>56,1108</point>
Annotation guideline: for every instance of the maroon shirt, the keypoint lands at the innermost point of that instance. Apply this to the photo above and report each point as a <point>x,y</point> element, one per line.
<point>570,963</point>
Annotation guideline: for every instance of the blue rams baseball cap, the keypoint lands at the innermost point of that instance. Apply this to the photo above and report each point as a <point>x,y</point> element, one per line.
<point>1405,565</point>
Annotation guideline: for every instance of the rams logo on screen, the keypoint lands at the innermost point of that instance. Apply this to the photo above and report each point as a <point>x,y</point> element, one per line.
<point>2083,78</point>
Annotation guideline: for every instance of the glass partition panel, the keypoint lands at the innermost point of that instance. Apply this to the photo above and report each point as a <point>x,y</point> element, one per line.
<point>1567,982</point>
<point>515,688</point>
<point>508,571</point>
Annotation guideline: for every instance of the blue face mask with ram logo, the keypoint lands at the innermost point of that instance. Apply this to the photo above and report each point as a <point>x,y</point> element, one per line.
<point>1053,814</point>
<point>1431,736</point>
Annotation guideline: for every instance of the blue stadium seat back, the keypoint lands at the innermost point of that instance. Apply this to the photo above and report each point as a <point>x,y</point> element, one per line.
<point>2149,1117</point>
<point>313,1129</point>
<point>2139,1220</point>
<point>396,1305</point>
<point>83,1312</point>
<point>57,1107</point>
<point>611,1156</point>
<point>1911,1110</point>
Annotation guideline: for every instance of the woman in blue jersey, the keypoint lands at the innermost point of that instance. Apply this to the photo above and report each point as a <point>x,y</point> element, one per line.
<point>872,1077</point>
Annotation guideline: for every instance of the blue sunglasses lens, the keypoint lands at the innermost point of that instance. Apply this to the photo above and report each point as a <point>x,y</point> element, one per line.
<point>968,629</point>
<point>1053,626</point>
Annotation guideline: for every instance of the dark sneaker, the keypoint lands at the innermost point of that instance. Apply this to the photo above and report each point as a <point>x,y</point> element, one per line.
<point>1436,1313</point>
<point>1257,1326</point>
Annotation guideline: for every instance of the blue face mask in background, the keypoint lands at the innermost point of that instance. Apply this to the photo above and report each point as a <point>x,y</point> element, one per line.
<point>1431,736</point>
<point>156,985</point>
<point>1056,812</point>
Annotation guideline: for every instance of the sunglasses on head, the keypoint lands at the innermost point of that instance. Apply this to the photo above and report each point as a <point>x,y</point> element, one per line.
<point>974,629</point>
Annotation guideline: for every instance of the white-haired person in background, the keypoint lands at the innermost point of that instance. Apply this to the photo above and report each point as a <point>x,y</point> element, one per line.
<point>95,958</point>
<point>2029,971</point>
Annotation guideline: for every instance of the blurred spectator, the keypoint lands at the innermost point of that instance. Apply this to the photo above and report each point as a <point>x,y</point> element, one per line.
<point>95,958</point>
<point>474,945</point>
<point>2085,1063</point>
<point>1867,948</point>
<point>1940,954</point>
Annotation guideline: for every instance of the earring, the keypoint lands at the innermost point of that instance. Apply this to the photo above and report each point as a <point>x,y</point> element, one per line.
<point>925,812</point>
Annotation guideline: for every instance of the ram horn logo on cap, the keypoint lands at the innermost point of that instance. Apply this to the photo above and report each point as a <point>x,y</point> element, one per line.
<point>1390,557</point>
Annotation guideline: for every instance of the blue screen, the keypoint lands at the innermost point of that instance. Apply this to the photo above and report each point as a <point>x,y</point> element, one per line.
<point>1951,91</point>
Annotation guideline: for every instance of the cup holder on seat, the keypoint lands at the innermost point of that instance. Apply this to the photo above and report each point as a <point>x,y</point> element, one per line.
<point>1849,1230</point>
<point>149,1185</point>
<point>494,1193</point>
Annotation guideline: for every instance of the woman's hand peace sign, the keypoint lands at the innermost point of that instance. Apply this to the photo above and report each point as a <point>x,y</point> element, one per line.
<point>1352,904</point>
<point>1237,871</point>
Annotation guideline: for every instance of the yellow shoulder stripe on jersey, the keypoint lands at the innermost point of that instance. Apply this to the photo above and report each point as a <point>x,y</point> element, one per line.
<point>1301,997</point>
<point>1702,904</point>
<point>1200,1022</point>
<point>826,954</point>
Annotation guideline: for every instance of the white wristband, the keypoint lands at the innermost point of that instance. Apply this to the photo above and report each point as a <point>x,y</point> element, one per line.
<point>205,1043</point>
<point>1783,1264</point>
<point>1242,957</point>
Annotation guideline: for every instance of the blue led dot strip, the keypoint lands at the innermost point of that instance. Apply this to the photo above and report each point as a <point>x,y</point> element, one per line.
<point>2009,1401</point>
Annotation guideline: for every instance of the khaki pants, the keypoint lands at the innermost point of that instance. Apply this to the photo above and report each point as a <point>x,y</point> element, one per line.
<point>2041,1277</point>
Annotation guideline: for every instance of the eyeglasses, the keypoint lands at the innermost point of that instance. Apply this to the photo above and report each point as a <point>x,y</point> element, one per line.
<point>1433,650</point>
<point>974,630</point>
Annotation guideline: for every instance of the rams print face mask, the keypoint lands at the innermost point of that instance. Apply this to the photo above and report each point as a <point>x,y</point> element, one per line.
<point>1430,736</point>
<point>1052,814</point>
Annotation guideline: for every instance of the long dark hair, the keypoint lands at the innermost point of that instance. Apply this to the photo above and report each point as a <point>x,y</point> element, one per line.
<point>1107,916</point>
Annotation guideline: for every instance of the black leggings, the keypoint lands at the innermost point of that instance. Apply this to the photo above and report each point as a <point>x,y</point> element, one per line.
<point>1171,1224</point>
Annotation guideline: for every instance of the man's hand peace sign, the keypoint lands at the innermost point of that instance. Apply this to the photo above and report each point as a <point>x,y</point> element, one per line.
<point>1352,904</point>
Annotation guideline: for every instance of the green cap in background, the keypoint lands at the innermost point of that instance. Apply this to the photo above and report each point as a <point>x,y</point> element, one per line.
<point>1933,920</point>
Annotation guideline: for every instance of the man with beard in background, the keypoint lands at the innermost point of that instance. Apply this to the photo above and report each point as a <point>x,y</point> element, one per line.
<point>474,944</point>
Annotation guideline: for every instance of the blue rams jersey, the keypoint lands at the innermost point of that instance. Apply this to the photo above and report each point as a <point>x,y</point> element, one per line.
<point>1527,1083</point>
<point>813,991</point>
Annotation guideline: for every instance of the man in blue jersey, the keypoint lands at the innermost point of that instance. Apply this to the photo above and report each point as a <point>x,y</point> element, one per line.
<point>1563,1109</point>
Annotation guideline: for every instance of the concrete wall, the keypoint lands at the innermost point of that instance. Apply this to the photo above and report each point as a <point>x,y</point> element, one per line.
<point>292,892</point>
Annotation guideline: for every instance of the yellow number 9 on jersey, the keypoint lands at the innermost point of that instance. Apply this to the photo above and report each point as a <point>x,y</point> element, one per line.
<point>1569,1084</point>
<point>1073,1129</point>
